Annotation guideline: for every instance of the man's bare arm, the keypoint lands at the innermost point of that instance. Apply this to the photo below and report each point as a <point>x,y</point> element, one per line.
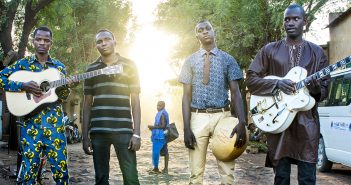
<point>88,101</point>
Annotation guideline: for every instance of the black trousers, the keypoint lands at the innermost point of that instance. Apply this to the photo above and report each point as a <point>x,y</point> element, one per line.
<point>101,144</point>
<point>306,172</point>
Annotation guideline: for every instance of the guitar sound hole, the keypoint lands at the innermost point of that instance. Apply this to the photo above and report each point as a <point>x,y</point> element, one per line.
<point>45,86</point>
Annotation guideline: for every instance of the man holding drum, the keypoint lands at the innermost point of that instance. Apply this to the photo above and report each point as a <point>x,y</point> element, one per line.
<point>207,75</point>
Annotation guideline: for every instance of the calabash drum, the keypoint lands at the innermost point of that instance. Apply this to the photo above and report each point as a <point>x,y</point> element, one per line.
<point>222,145</point>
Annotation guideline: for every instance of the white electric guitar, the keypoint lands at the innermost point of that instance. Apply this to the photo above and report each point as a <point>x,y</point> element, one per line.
<point>274,114</point>
<point>23,103</point>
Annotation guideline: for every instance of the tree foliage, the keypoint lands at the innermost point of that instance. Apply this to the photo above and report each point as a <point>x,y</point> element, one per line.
<point>242,26</point>
<point>74,32</point>
<point>14,10</point>
<point>74,24</point>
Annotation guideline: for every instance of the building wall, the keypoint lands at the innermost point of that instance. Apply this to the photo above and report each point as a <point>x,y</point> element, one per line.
<point>340,40</point>
<point>73,106</point>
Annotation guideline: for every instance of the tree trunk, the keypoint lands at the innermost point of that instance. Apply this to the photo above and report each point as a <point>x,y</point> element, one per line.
<point>6,24</point>
<point>30,20</point>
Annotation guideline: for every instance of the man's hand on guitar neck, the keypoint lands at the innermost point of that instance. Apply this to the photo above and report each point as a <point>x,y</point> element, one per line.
<point>32,87</point>
<point>72,81</point>
<point>287,86</point>
<point>313,86</point>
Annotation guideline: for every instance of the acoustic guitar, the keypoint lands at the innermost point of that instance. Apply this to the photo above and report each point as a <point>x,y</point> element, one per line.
<point>23,103</point>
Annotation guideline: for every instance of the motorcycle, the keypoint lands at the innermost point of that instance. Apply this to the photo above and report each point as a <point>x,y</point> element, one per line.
<point>71,131</point>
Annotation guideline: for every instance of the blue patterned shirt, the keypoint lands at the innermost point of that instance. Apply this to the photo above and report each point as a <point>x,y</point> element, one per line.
<point>223,68</point>
<point>50,117</point>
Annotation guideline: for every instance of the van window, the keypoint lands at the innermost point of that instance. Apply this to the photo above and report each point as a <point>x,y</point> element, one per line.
<point>339,92</point>
<point>347,84</point>
<point>335,92</point>
<point>344,92</point>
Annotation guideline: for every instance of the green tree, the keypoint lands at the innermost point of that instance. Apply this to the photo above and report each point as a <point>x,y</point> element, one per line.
<point>74,24</point>
<point>27,11</point>
<point>74,32</point>
<point>242,26</point>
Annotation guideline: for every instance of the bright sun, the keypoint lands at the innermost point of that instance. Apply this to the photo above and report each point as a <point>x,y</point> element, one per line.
<point>151,52</point>
<point>151,49</point>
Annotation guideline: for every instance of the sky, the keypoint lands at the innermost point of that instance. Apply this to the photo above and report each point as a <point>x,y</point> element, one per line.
<point>151,52</point>
<point>319,34</point>
<point>152,47</point>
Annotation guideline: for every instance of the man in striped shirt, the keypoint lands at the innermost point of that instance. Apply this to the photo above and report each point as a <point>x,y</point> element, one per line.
<point>111,114</point>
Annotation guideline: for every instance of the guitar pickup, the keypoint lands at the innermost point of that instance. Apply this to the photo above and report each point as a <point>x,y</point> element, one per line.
<point>254,111</point>
<point>260,119</point>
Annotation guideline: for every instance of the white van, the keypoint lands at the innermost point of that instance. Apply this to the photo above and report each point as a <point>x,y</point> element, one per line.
<point>335,120</point>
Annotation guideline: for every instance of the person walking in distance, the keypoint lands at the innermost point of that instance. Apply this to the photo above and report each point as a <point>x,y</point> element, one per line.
<point>158,137</point>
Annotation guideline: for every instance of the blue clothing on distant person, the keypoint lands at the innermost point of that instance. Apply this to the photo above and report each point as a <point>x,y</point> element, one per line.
<point>158,133</point>
<point>158,137</point>
<point>223,69</point>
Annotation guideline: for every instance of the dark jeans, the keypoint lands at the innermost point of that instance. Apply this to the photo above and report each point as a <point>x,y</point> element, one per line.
<point>101,144</point>
<point>306,172</point>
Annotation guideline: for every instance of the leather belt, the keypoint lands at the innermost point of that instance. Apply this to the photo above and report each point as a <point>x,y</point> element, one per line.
<point>210,110</point>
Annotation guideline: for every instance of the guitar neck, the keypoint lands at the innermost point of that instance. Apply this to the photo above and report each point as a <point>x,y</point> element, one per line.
<point>324,72</point>
<point>79,77</point>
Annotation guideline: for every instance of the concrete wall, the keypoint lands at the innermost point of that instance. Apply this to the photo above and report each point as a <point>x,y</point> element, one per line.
<point>340,40</point>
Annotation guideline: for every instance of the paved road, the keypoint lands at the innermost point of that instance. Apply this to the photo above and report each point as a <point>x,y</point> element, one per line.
<point>249,168</point>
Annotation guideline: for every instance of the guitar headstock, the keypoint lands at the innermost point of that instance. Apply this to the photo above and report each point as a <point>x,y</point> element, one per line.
<point>115,69</point>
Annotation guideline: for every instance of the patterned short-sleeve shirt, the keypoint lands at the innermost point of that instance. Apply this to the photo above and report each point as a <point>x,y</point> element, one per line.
<point>223,68</point>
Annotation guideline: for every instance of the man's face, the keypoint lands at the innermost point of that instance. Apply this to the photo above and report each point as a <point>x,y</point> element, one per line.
<point>42,42</point>
<point>105,43</point>
<point>294,22</point>
<point>205,33</point>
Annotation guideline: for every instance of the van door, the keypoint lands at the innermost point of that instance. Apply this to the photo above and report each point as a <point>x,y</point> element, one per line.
<point>335,119</point>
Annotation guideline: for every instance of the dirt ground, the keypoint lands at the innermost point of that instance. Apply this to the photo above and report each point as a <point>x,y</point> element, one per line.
<point>249,168</point>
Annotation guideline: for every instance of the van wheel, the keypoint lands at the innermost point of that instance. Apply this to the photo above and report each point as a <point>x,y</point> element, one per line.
<point>323,164</point>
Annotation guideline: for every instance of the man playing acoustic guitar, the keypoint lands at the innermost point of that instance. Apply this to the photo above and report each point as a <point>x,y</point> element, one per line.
<point>298,144</point>
<point>42,131</point>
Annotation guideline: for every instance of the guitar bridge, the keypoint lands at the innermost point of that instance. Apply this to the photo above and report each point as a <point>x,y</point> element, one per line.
<point>279,113</point>
<point>260,110</point>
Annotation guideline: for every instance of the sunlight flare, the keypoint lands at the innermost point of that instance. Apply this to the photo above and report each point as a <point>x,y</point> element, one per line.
<point>151,52</point>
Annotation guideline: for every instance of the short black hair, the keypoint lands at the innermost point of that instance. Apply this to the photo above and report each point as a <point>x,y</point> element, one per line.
<point>162,102</point>
<point>202,21</point>
<point>106,30</point>
<point>43,28</point>
<point>293,6</point>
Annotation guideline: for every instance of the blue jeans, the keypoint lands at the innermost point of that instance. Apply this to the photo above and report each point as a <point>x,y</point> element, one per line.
<point>157,145</point>
<point>101,144</point>
<point>306,172</point>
